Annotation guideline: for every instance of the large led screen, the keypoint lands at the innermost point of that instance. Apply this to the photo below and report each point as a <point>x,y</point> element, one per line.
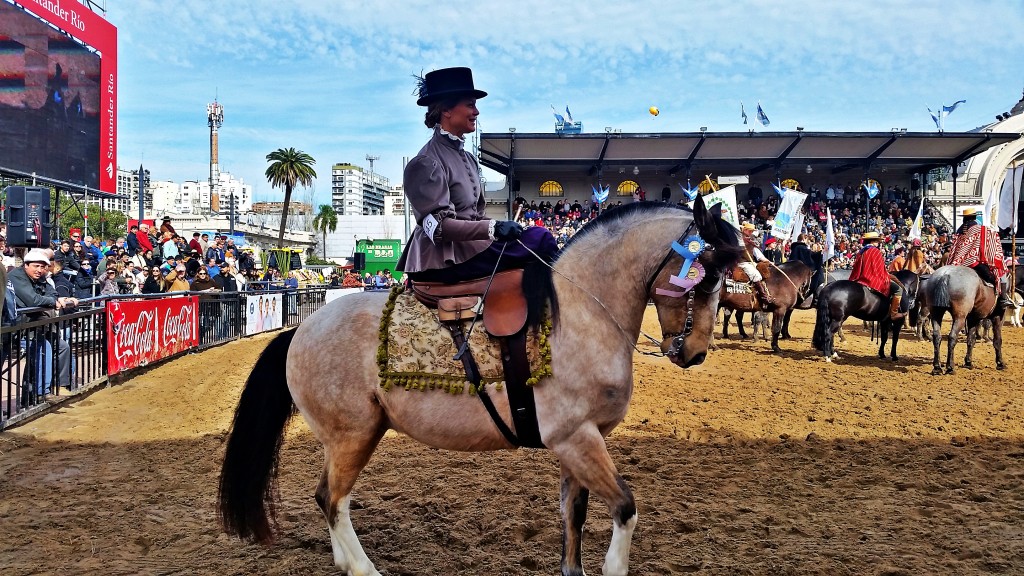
<point>52,102</point>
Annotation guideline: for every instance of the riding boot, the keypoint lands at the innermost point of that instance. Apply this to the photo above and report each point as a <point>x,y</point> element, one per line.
<point>894,308</point>
<point>1003,299</point>
<point>764,294</point>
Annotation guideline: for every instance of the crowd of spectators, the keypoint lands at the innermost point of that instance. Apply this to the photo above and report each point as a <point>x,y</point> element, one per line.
<point>891,213</point>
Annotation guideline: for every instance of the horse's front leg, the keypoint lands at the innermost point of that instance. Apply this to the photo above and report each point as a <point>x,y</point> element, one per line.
<point>777,322</point>
<point>574,502</point>
<point>883,337</point>
<point>997,341</point>
<point>785,325</point>
<point>973,328</point>
<point>585,456</point>
<point>896,328</point>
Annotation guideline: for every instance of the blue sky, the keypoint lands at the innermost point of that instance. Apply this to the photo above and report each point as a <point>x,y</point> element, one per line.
<point>334,78</point>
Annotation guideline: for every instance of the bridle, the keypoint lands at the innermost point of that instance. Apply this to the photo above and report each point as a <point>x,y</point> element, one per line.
<point>690,277</point>
<point>681,246</point>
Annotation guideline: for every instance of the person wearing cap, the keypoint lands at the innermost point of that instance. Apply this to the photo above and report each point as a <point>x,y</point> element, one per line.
<point>748,263</point>
<point>31,290</point>
<point>194,244</point>
<point>869,270</point>
<point>772,252</point>
<point>454,239</point>
<point>978,247</point>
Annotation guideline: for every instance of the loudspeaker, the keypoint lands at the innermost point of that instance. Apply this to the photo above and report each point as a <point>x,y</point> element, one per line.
<point>359,261</point>
<point>28,216</point>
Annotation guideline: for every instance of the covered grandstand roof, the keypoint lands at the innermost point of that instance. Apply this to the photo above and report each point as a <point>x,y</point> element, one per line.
<point>750,153</point>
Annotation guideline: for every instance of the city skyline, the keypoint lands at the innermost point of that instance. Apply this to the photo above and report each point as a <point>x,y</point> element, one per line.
<point>335,79</point>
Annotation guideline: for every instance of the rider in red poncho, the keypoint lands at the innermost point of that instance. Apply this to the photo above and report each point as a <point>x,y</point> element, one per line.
<point>869,270</point>
<point>978,247</point>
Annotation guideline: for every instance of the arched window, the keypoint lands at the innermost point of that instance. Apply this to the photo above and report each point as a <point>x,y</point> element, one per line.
<point>627,188</point>
<point>551,188</point>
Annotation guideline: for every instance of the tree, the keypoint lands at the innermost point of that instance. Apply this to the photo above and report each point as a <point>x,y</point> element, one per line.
<point>289,167</point>
<point>326,220</point>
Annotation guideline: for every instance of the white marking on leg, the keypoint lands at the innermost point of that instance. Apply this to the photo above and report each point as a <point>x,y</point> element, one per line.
<point>342,533</point>
<point>616,562</point>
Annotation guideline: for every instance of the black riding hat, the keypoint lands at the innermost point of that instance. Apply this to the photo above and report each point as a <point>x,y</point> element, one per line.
<point>447,83</point>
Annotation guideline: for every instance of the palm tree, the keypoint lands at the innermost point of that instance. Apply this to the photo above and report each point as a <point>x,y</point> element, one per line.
<point>326,220</point>
<point>290,167</point>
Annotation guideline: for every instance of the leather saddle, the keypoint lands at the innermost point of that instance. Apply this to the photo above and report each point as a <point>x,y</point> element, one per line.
<point>765,268</point>
<point>505,302</point>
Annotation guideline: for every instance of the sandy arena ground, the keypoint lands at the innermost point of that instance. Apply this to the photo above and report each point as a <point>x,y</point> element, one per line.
<point>750,464</point>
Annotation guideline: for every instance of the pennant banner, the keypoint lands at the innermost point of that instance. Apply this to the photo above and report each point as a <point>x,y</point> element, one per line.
<point>1009,196</point>
<point>727,198</point>
<point>830,237</point>
<point>788,209</point>
<point>915,229</point>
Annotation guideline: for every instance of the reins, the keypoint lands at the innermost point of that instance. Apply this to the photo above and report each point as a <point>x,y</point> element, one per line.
<point>687,324</point>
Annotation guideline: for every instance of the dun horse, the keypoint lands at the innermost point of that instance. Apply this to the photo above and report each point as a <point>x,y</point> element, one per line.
<point>960,291</point>
<point>330,373</point>
<point>841,299</point>
<point>789,283</point>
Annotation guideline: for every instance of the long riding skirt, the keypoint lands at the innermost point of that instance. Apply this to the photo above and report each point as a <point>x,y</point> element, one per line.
<point>515,255</point>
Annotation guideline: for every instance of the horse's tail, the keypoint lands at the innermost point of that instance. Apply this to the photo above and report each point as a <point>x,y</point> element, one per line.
<point>822,322</point>
<point>245,497</point>
<point>939,288</point>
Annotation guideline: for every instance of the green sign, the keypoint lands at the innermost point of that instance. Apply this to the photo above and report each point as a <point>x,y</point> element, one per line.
<point>381,254</point>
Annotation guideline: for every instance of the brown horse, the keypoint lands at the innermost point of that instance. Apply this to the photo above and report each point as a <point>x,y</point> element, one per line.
<point>602,282</point>
<point>960,291</point>
<point>789,284</point>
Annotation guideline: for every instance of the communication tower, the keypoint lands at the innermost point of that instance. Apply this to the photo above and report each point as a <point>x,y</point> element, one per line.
<point>215,119</point>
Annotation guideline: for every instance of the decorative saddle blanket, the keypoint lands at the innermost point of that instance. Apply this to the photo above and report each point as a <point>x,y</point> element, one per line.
<point>416,351</point>
<point>737,287</point>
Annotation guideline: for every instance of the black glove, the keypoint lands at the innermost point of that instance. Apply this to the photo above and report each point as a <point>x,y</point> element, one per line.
<point>507,230</point>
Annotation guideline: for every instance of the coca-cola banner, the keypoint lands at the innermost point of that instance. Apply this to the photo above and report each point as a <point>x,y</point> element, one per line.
<point>144,331</point>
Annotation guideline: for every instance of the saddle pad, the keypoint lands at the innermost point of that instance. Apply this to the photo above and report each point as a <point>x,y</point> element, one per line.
<point>416,351</point>
<point>734,287</point>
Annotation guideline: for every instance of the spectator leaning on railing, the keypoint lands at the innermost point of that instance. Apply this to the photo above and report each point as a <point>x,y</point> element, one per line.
<point>31,290</point>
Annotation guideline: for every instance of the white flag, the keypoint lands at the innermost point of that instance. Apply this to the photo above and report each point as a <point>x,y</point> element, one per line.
<point>798,226</point>
<point>788,208</point>
<point>830,237</point>
<point>988,213</point>
<point>915,229</point>
<point>1009,196</point>
<point>727,198</point>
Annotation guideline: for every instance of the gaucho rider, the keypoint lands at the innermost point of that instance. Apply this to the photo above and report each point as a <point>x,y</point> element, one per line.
<point>751,256</point>
<point>869,269</point>
<point>978,247</point>
<point>454,239</point>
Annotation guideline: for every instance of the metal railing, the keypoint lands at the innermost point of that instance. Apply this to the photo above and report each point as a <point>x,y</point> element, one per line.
<point>43,360</point>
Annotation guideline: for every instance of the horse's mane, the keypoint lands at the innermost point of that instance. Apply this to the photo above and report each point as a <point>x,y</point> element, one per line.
<point>537,281</point>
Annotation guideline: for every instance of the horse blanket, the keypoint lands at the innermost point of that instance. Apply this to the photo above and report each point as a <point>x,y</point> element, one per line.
<point>416,350</point>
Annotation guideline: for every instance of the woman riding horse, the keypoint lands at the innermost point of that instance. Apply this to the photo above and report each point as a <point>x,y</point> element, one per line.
<point>453,239</point>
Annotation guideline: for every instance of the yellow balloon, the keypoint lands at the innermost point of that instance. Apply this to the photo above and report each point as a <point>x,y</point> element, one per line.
<point>654,110</point>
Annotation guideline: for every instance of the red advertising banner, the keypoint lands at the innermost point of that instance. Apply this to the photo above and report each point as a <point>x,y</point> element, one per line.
<point>144,331</point>
<point>82,23</point>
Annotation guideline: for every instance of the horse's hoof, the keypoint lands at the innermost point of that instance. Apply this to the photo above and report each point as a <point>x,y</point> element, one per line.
<point>835,355</point>
<point>776,349</point>
<point>785,336</point>
<point>949,371</point>
<point>828,359</point>
<point>895,359</point>
<point>1000,366</point>
<point>967,365</point>
<point>937,371</point>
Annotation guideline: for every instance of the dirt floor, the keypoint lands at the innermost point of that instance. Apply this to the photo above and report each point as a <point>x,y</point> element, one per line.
<point>750,464</point>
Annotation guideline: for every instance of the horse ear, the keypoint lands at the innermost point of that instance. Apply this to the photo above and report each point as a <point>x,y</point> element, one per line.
<point>704,218</point>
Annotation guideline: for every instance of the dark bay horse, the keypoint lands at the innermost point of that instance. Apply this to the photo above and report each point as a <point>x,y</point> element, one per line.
<point>961,292</point>
<point>839,300</point>
<point>789,283</point>
<point>327,369</point>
